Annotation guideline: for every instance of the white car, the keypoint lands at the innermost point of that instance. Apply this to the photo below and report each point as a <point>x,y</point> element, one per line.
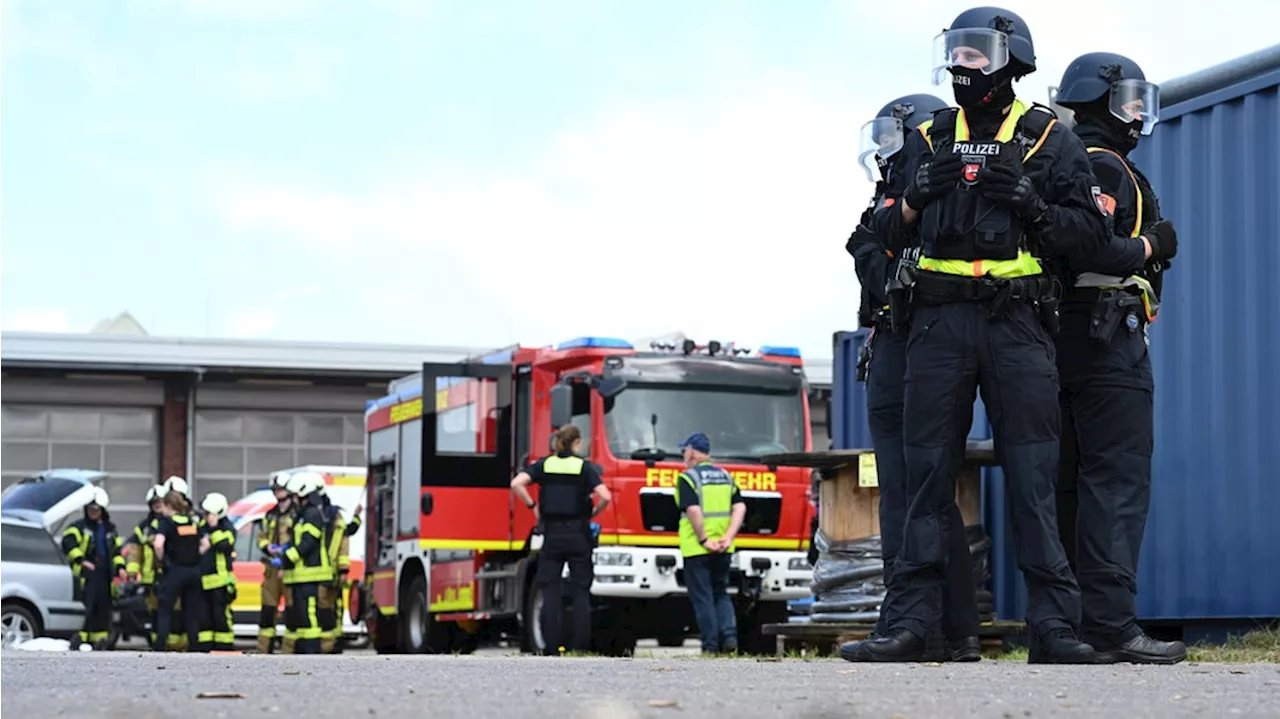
<point>54,497</point>
<point>37,589</point>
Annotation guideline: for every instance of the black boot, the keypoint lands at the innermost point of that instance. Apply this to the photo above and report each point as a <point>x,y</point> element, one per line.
<point>1142,649</point>
<point>965,649</point>
<point>1061,646</point>
<point>898,646</point>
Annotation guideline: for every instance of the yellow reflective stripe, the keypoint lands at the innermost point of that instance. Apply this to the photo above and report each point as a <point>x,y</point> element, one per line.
<point>671,540</point>
<point>562,465</point>
<point>1137,189</point>
<point>923,129</point>
<point>294,556</point>
<point>1024,266</point>
<point>476,544</point>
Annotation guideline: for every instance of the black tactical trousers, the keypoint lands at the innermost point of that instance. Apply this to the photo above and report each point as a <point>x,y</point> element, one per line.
<point>885,392</point>
<point>953,350</point>
<point>566,542</point>
<point>1104,484</point>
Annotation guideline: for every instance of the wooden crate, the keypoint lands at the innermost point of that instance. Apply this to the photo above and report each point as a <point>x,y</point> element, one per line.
<point>824,639</point>
<point>849,493</point>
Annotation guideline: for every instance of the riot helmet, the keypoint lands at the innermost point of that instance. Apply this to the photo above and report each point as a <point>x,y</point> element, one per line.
<point>985,49</point>
<point>1104,82</point>
<point>884,137</point>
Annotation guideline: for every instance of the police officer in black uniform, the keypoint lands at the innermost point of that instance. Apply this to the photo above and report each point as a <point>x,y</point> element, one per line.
<point>181,538</point>
<point>1104,486</point>
<point>1001,187</point>
<point>565,511</point>
<point>884,362</point>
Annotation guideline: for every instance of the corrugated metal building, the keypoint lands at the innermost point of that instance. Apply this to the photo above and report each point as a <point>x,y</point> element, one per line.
<point>1212,545</point>
<point>222,413</point>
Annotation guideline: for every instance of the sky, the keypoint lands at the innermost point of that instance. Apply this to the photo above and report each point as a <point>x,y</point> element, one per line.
<point>479,173</point>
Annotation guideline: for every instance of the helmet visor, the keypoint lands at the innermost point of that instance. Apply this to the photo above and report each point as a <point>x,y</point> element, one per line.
<point>882,137</point>
<point>980,49</point>
<point>1136,100</point>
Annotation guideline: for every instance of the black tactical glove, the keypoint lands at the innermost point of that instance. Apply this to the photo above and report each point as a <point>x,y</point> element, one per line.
<point>1163,239</point>
<point>1003,184</point>
<point>933,180</point>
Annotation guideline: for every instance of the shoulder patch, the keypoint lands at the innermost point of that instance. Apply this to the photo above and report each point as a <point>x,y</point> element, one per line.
<point>1105,203</point>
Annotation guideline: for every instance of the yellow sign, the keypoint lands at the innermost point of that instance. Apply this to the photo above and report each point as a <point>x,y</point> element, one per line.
<point>406,411</point>
<point>867,471</point>
<point>746,480</point>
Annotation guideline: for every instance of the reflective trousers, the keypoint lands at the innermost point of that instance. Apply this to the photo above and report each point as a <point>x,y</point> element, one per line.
<point>221,625</point>
<point>95,591</point>
<point>1104,484</point>
<point>330,603</point>
<point>566,542</point>
<point>302,617</point>
<point>953,351</point>
<point>272,591</point>
<point>885,393</point>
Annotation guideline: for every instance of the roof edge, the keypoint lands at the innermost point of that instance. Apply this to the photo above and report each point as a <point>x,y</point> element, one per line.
<point>1219,77</point>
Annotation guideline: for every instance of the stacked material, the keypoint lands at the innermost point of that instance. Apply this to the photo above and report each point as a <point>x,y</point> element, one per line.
<point>848,579</point>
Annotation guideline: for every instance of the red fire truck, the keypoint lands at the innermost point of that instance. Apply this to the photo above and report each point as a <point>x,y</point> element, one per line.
<point>451,554</point>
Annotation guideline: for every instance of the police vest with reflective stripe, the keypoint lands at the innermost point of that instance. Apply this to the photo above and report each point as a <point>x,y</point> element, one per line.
<point>314,566</point>
<point>564,495</point>
<point>964,233</point>
<point>1135,283</point>
<point>714,489</point>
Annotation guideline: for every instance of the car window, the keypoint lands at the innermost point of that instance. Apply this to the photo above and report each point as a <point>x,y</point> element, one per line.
<point>32,545</point>
<point>247,543</point>
<point>38,494</point>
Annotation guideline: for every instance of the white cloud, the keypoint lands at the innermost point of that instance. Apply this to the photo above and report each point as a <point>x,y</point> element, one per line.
<point>724,220</point>
<point>38,319</point>
<point>284,72</point>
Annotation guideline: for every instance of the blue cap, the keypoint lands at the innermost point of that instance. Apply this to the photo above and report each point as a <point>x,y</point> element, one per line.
<point>698,442</point>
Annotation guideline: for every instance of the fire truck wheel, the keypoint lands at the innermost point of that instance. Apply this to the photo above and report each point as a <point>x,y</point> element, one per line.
<point>416,621</point>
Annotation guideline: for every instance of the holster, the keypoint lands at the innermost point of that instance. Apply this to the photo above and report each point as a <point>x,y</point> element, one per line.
<point>1110,309</point>
<point>864,354</point>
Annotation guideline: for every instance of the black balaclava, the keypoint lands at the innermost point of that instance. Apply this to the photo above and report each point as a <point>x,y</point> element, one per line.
<point>981,94</point>
<point>1098,126</point>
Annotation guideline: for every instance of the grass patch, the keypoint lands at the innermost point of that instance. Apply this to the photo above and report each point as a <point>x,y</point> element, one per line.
<point>1017,654</point>
<point>1260,646</point>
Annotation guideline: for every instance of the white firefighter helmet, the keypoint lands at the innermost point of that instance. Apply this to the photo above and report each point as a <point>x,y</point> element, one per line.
<point>100,499</point>
<point>156,492</point>
<point>177,484</point>
<point>215,503</point>
<point>303,484</point>
<point>279,480</point>
<point>318,480</point>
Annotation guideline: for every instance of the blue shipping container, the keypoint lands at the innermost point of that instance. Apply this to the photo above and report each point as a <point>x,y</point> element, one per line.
<point>1212,545</point>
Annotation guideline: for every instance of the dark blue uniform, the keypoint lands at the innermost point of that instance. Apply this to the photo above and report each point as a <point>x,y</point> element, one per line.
<point>566,483</point>
<point>1107,413</point>
<point>972,334</point>
<point>885,392</point>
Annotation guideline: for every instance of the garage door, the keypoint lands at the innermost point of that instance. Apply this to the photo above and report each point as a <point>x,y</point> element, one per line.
<point>237,449</point>
<point>123,441</point>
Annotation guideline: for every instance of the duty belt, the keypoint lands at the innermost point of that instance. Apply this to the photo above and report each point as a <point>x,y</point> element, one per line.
<point>1093,286</point>
<point>937,288</point>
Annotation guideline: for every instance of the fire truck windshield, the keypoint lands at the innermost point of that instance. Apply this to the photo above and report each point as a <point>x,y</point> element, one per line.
<point>743,424</point>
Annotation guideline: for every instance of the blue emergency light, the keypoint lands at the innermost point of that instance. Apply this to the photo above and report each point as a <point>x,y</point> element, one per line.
<point>598,342</point>
<point>777,351</point>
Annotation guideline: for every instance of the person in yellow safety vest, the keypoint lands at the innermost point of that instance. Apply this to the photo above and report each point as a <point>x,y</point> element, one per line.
<point>140,558</point>
<point>274,531</point>
<point>93,549</point>
<point>218,581</point>
<point>712,511</point>
<point>305,561</point>
<point>338,535</point>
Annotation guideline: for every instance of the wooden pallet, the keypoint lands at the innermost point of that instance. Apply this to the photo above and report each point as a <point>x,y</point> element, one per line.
<point>824,638</point>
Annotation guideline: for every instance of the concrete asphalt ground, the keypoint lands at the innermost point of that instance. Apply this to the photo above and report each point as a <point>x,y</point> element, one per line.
<point>657,683</point>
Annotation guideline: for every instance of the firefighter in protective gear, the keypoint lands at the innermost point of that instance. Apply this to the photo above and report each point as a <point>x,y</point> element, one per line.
<point>218,580</point>
<point>178,640</point>
<point>274,531</point>
<point>140,558</point>
<point>1000,189</point>
<point>712,510</point>
<point>338,543</point>
<point>181,540</point>
<point>1104,483</point>
<point>93,549</point>
<point>305,561</point>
